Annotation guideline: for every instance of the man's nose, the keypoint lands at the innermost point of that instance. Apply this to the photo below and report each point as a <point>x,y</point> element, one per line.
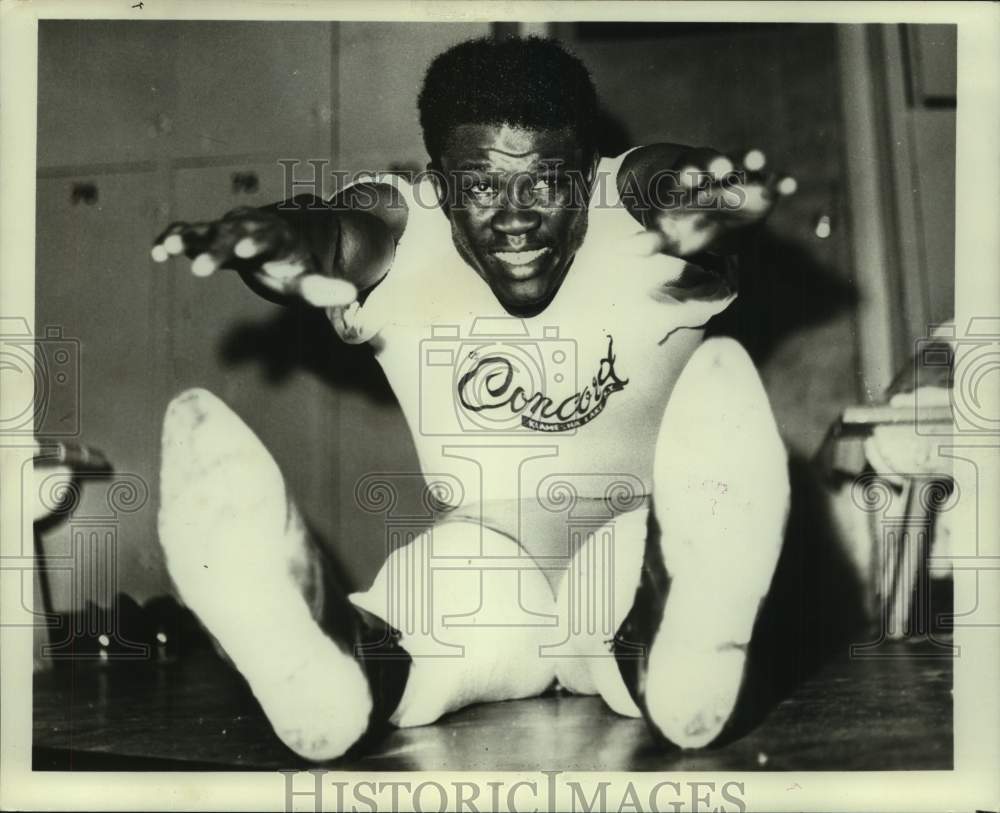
<point>513,220</point>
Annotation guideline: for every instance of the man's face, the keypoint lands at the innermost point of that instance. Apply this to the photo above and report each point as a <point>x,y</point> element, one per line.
<point>518,207</point>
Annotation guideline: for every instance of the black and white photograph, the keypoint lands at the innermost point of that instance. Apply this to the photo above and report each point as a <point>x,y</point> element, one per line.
<point>457,408</point>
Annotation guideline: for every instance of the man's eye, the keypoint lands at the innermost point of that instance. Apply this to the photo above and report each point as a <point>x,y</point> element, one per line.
<point>483,190</point>
<point>546,186</point>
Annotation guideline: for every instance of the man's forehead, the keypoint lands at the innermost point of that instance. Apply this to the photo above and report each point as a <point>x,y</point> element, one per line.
<point>506,143</point>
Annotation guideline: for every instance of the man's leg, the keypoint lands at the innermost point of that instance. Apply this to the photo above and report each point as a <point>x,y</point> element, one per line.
<point>475,614</point>
<point>710,545</point>
<point>241,559</point>
<point>595,596</point>
<point>720,503</point>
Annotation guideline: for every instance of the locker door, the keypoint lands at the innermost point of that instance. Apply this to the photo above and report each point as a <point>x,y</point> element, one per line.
<point>114,91</point>
<point>105,91</point>
<point>254,87</point>
<point>96,284</point>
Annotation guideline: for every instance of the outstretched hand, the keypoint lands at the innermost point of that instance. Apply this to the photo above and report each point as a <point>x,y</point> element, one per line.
<point>263,248</point>
<point>710,198</point>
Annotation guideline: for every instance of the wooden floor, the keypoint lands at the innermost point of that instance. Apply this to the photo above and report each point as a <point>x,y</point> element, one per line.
<point>881,713</point>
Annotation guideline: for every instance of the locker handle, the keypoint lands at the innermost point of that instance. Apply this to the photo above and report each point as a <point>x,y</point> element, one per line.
<point>245,183</point>
<point>84,192</point>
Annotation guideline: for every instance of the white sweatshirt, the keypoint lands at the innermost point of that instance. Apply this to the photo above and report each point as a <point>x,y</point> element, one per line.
<point>506,408</point>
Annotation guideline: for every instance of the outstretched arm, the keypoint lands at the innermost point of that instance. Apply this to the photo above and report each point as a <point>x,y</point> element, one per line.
<point>323,253</point>
<point>695,202</point>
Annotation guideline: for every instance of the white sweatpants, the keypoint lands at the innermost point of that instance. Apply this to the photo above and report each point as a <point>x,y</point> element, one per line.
<point>480,620</point>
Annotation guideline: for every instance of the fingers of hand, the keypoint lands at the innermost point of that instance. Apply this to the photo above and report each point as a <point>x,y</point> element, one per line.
<point>170,243</point>
<point>716,194</point>
<point>648,242</point>
<point>247,248</point>
<point>326,292</point>
<point>737,195</point>
<point>756,194</point>
<point>241,237</point>
<point>753,190</point>
<point>212,248</point>
<point>754,160</point>
<point>710,180</point>
<point>720,167</point>
<point>285,270</point>
<point>750,199</point>
<point>710,176</point>
<point>676,236</point>
<point>787,186</point>
<point>692,177</point>
<point>204,265</point>
<point>190,239</point>
<point>256,236</point>
<point>699,168</point>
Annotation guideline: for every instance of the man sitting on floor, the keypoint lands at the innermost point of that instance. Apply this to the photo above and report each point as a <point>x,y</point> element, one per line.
<point>539,312</point>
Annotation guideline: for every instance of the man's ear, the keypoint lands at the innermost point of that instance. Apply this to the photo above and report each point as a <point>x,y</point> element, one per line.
<point>590,175</point>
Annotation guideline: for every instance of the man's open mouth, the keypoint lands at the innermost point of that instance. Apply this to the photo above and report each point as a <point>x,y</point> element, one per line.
<point>520,257</point>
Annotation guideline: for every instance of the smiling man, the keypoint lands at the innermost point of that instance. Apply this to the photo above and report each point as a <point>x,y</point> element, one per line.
<point>612,488</point>
<point>524,253</point>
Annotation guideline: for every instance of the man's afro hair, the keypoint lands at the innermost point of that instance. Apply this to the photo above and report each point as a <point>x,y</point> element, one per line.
<point>531,82</point>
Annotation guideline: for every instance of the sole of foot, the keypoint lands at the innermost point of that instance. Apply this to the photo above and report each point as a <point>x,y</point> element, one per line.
<point>721,496</point>
<point>237,552</point>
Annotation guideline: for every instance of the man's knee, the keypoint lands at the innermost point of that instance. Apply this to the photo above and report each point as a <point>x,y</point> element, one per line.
<point>595,596</point>
<point>460,585</point>
<point>474,613</point>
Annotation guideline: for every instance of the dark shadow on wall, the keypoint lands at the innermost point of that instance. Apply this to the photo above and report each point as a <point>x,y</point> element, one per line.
<point>782,290</point>
<point>612,136</point>
<point>302,338</point>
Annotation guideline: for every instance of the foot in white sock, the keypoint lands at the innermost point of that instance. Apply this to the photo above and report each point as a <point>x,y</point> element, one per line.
<point>239,555</point>
<point>720,503</point>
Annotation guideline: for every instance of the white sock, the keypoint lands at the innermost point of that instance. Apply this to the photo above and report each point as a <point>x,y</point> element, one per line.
<point>238,554</point>
<point>721,496</point>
